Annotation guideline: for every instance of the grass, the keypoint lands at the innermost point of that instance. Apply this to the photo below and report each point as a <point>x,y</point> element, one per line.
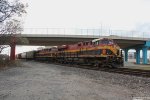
<point>9,64</point>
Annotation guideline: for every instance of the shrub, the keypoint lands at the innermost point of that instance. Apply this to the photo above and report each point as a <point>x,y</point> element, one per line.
<point>4,60</point>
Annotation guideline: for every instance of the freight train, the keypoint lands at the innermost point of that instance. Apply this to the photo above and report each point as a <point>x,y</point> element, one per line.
<point>98,52</point>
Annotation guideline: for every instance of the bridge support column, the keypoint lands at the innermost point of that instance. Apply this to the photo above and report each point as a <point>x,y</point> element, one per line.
<point>137,56</point>
<point>145,60</point>
<point>12,53</point>
<point>126,54</point>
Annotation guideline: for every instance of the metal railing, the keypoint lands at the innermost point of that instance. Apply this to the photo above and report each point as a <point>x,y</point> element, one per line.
<point>87,32</point>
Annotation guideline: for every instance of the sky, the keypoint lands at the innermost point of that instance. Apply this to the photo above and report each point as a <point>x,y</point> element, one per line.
<point>116,14</point>
<point>110,14</point>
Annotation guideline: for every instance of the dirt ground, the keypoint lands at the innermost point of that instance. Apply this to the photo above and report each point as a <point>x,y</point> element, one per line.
<point>41,81</point>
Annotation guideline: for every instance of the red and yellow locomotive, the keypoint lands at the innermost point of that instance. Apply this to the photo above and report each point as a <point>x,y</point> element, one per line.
<point>98,52</point>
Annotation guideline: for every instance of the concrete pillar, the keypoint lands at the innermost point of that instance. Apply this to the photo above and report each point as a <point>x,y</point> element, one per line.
<point>126,54</point>
<point>145,60</point>
<point>137,56</point>
<point>12,53</point>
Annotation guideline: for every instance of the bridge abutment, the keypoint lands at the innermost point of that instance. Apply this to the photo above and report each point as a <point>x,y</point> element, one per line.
<point>144,49</point>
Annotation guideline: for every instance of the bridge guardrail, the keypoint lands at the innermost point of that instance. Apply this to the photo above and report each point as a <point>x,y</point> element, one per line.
<point>87,32</point>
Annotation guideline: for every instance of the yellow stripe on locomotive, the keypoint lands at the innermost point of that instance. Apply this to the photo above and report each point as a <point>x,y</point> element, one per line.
<point>97,50</point>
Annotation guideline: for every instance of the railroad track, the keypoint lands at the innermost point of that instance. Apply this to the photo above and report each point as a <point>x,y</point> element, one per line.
<point>125,71</point>
<point>128,71</point>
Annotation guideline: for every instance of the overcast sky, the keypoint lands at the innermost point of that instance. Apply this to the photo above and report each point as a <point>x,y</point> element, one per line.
<point>117,14</point>
<point>113,14</point>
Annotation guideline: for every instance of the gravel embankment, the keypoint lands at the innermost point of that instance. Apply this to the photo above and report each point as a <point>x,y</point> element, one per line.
<point>40,81</point>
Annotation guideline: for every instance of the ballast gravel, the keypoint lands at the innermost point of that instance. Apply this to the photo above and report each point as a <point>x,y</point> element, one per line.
<point>43,81</point>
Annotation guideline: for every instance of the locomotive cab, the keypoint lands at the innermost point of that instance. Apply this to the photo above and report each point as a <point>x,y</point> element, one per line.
<point>109,51</point>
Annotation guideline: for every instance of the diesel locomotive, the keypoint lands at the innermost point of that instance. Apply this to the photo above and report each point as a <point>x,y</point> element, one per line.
<point>98,52</point>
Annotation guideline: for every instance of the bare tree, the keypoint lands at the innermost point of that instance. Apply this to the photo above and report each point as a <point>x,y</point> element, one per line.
<point>7,33</point>
<point>8,25</point>
<point>9,9</point>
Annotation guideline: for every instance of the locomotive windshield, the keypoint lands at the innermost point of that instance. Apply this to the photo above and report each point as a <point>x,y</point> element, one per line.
<point>102,41</point>
<point>106,41</point>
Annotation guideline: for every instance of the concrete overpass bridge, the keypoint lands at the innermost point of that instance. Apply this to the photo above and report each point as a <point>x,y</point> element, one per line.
<point>53,40</point>
<point>125,43</point>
